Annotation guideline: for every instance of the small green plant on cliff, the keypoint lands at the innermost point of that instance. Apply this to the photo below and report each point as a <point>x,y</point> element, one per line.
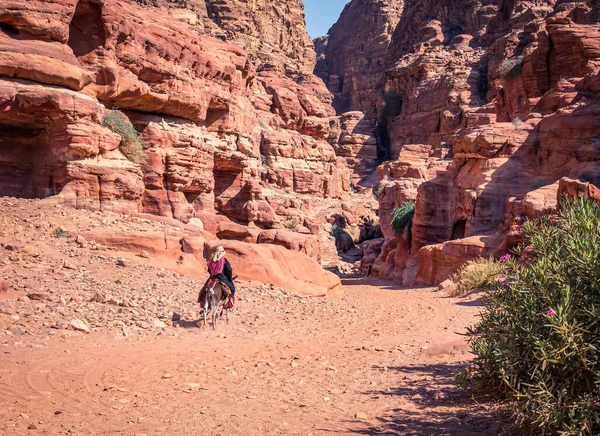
<point>479,274</point>
<point>380,191</point>
<point>511,67</point>
<point>131,145</point>
<point>538,340</point>
<point>517,122</point>
<point>402,217</point>
<point>290,223</point>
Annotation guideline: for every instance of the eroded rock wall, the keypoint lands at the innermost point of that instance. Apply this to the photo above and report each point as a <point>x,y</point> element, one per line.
<point>353,67</point>
<point>493,102</point>
<point>230,116</point>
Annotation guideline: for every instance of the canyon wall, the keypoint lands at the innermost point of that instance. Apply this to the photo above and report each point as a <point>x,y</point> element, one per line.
<point>231,118</point>
<point>203,111</point>
<point>486,105</point>
<point>353,67</point>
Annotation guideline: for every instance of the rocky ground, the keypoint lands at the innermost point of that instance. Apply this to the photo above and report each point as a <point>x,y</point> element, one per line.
<point>93,341</point>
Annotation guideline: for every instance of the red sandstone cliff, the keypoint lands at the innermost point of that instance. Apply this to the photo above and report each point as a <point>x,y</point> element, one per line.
<point>233,124</point>
<point>219,124</point>
<point>486,106</point>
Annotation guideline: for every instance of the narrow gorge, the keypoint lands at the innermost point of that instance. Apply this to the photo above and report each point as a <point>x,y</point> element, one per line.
<point>345,180</point>
<point>474,110</point>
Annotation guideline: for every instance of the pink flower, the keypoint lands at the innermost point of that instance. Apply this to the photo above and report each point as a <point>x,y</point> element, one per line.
<point>505,258</point>
<point>550,313</point>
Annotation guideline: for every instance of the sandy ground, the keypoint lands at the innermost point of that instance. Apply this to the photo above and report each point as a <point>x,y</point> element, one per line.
<point>379,361</point>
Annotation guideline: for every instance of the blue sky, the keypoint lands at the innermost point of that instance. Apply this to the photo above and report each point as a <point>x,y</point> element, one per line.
<point>321,15</point>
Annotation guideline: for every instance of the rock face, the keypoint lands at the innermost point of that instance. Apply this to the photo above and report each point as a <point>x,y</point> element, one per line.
<point>182,109</point>
<point>274,33</point>
<point>218,123</point>
<point>356,52</point>
<point>486,106</point>
<point>353,67</point>
<point>199,111</point>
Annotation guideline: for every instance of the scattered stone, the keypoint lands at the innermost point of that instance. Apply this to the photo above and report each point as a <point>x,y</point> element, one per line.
<point>38,296</point>
<point>123,262</point>
<point>144,254</point>
<point>159,324</point>
<point>32,427</point>
<point>440,396</point>
<point>129,303</point>
<point>80,240</point>
<point>99,297</point>
<point>4,286</point>
<point>447,286</point>
<point>361,415</point>
<point>79,325</point>
<point>167,375</point>
<point>69,265</point>
<point>176,317</point>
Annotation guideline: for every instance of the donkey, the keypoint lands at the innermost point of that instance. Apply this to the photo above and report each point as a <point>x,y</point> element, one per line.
<point>212,295</point>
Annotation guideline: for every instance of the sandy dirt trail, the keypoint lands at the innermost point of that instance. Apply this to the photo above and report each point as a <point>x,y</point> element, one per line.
<point>379,361</point>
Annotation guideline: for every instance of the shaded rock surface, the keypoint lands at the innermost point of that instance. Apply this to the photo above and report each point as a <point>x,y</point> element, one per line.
<point>483,107</point>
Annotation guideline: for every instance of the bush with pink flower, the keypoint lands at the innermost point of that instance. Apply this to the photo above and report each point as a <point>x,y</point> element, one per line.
<point>538,341</point>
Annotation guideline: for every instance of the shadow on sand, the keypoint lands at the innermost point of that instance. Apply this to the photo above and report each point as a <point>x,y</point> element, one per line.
<point>434,405</point>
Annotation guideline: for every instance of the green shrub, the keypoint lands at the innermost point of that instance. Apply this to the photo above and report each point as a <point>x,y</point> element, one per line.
<point>479,274</point>
<point>290,223</point>
<point>131,145</point>
<point>517,122</point>
<point>402,217</point>
<point>511,67</point>
<point>538,340</point>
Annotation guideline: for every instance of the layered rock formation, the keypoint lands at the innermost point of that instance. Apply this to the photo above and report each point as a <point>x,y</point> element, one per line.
<point>220,107</point>
<point>487,105</point>
<point>354,69</point>
<point>203,110</point>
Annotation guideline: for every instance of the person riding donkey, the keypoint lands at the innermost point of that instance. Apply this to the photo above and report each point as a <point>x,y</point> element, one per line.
<point>220,269</point>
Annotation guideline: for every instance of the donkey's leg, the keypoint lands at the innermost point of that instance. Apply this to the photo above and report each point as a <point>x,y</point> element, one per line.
<point>206,308</point>
<point>214,317</point>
